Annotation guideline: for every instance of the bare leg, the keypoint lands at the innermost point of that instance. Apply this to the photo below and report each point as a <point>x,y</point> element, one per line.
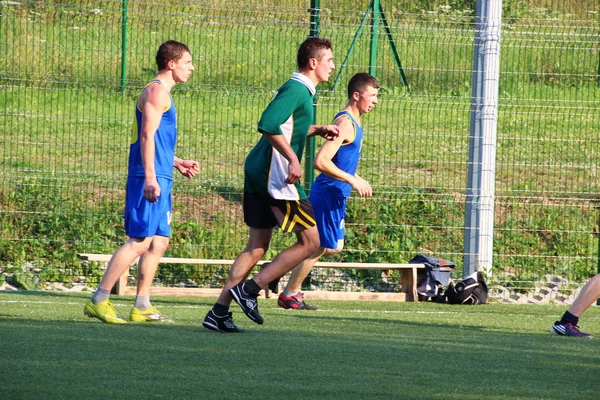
<point>300,272</point>
<point>589,294</point>
<point>257,245</point>
<point>122,259</point>
<point>307,244</point>
<point>149,263</point>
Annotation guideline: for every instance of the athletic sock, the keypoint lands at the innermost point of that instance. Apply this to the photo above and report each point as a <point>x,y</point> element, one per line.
<point>251,287</point>
<point>142,303</point>
<point>220,310</point>
<point>569,318</point>
<point>100,295</point>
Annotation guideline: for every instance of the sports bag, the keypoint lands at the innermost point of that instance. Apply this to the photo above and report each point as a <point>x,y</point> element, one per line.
<point>471,290</point>
<point>432,280</point>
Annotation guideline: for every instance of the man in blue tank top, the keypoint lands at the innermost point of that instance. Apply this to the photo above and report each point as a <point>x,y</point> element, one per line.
<point>148,205</point>
<point>337,160</point>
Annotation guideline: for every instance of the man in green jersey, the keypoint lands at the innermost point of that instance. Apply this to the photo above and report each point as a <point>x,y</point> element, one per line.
<point>273,194</point>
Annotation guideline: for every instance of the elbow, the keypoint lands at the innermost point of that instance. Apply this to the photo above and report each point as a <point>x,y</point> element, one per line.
<point>318,164</point>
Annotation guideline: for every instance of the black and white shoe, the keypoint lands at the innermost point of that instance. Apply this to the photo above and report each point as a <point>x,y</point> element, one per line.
<point>247,302</point>
<point>220,324</point>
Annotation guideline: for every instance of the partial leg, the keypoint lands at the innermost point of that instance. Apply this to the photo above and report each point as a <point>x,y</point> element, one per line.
<point>300,272</point>
<point>588,295</point>
<point>142,310</point>
<point>148,264</point>
<point>99,306</point>
<point>567,326</point>
<point>219,317</point>
<point>307,244</point>
<point>291,297</point>
<point>122,259</point>
<point>255,250</point>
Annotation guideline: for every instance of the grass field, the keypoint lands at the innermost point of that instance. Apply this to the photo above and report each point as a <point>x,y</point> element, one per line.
<point>345,350</point>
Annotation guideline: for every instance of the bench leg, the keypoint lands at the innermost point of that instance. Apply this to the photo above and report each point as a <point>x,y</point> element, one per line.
<point>409,284</point>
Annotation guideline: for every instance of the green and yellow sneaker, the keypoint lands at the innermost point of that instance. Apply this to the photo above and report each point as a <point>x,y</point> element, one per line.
<point>150,315</point>
<point>104,311</point>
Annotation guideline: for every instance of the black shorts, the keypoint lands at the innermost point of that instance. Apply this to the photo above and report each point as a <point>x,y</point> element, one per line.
<point>265,212</point>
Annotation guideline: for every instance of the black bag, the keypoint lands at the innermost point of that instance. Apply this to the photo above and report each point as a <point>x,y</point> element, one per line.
<point>433,279</point>
<point>471,290</point>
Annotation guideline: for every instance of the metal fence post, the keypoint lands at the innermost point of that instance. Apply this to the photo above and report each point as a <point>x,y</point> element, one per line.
<point>309,171</point>
<point>374,37</point>
<point>124,47</point>
<point>481,174</point>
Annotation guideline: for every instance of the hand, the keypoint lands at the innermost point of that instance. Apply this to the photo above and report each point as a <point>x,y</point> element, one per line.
<point>294,173</point>
<point>329,132</point>
<point>188,168</point>
<point>151,190</point>
<point>362,187</point>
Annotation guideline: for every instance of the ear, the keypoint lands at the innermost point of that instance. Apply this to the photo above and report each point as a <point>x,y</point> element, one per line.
<point>312,62</point>
<point>355,96</point>
<point>171,64</point>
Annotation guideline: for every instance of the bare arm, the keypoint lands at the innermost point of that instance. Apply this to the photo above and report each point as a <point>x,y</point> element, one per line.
<point>329,132</point>
<point>323,161</point>
<point>153,101</point>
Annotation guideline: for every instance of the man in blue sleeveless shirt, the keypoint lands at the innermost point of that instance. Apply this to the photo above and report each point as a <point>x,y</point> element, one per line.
<point>148,206</point>
<point>337,160</point>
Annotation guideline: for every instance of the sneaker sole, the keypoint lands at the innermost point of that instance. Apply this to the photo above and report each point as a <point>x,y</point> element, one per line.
<point>212,327</point>
<point>215,328</point>
<point>151,320</point>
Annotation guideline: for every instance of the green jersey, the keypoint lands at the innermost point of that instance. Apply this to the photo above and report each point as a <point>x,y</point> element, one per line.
<point>290,114</point>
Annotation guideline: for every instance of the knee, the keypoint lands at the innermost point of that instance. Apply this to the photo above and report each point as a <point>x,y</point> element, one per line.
<point>312,243</point>
<point>333,252</point>
<point>137,246</point>
<point>257,250</point>
<point>159,246</point>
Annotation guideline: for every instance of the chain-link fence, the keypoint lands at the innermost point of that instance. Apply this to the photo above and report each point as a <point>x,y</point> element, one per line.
<point>71,72</point>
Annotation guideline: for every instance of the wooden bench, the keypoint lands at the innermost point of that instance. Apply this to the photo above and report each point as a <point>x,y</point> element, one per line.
<point>408,279</point>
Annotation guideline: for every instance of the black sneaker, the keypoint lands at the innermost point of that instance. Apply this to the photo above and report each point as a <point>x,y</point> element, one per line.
<point>295,302</point>
<point>274,284</point>
<point>220,324</point>
<point>247,302</point>
<point>567,329</point>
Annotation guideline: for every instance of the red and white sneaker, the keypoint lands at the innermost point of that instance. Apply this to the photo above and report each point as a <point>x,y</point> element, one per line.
<point>295,302</point>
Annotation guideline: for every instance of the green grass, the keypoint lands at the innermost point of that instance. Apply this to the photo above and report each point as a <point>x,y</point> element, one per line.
<point>346,350</point>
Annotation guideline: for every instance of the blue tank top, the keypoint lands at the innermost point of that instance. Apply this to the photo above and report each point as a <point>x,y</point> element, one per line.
<point>345,159</point>
<point>165,140</point>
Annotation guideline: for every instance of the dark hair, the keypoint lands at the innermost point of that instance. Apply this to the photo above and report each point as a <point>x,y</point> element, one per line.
<point>360,82</point>
<point>170,50</point>
<point>312,48</point>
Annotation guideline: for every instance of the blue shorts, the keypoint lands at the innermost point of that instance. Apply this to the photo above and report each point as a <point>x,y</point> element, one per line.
<point>142,218</point>
<point>329,212</point>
